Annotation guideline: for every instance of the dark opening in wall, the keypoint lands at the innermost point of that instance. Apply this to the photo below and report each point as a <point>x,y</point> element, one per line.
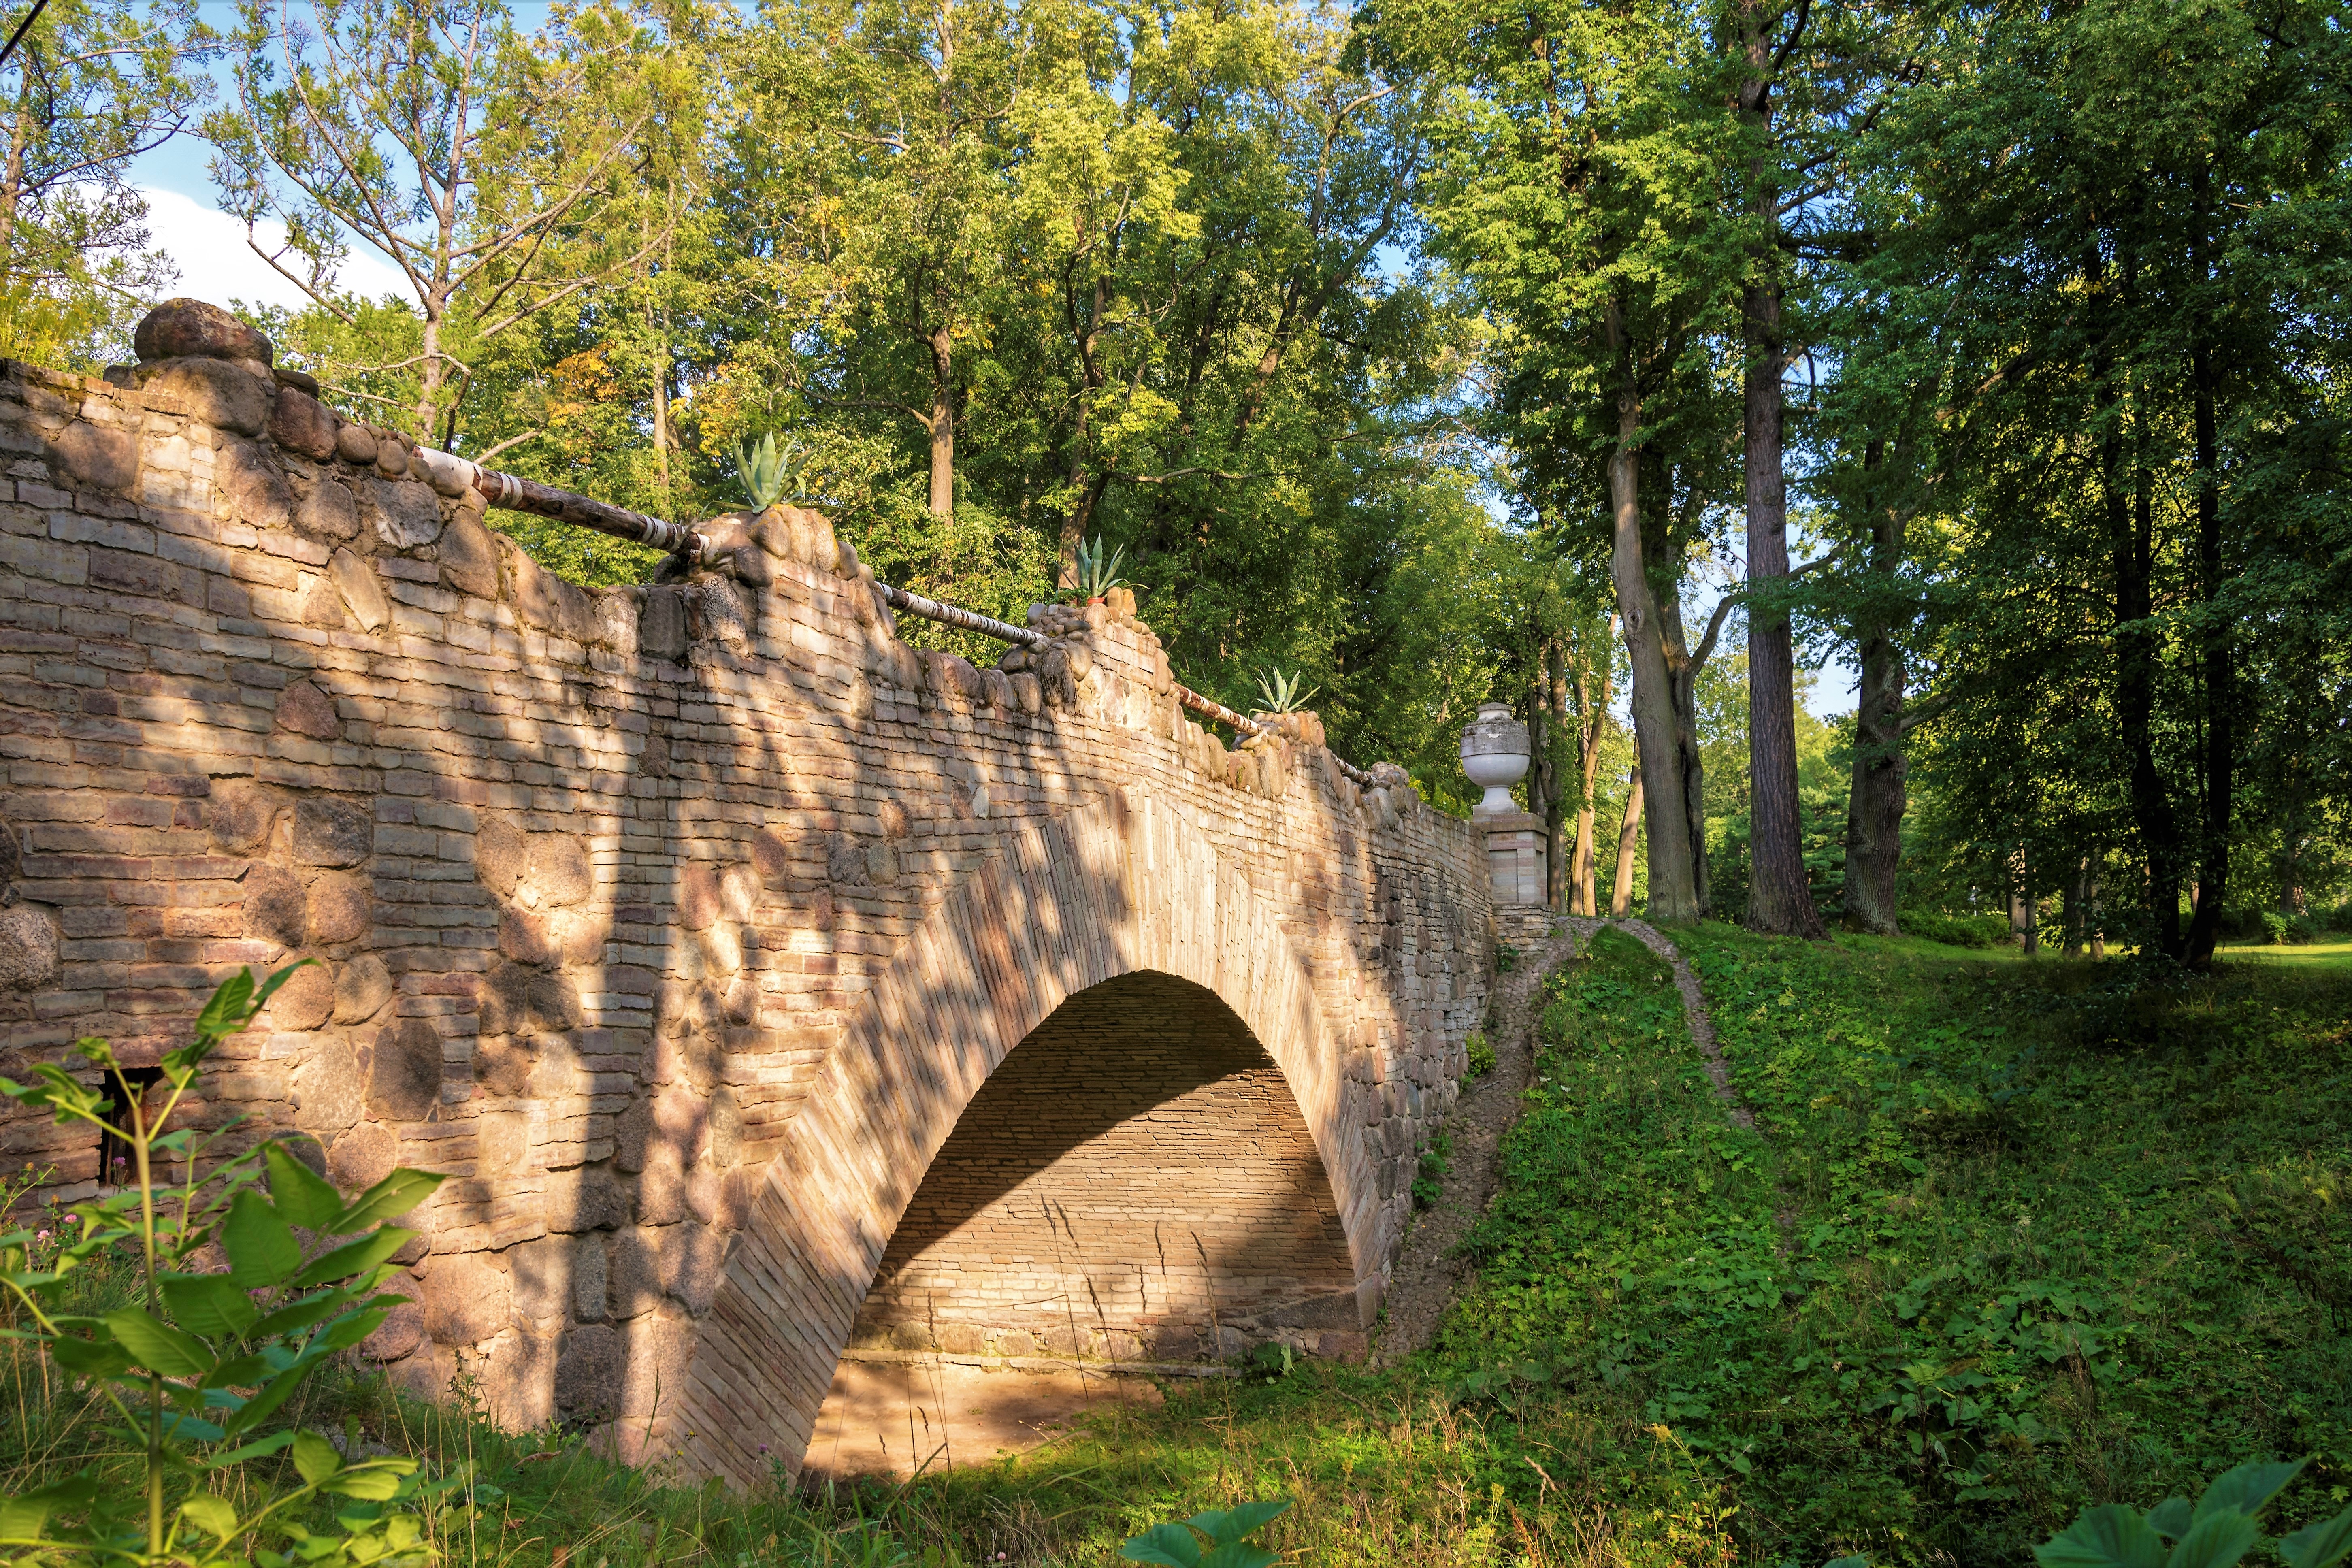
<point>114,1158</point>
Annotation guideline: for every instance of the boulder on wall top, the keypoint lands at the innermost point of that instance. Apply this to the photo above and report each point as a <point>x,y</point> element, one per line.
<point>191,329</point>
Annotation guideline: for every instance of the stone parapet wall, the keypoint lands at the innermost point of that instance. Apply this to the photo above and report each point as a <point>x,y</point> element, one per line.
<point>603,884</point>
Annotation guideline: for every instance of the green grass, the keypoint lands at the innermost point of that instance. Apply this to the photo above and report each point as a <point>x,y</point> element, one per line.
<point>2010,1238</point>
<point>2313,955</point>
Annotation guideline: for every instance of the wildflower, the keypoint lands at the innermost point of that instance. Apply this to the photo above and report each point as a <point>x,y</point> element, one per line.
<point>40,1236</point>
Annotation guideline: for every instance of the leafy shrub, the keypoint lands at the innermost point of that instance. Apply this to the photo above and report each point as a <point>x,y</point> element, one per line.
<point>190,1376</point>
<point>1226,1536</point>
<point>1429,1185</point>
<point>1976,931</point>
<point>1482,1055</point>
<point>2218,1532</point>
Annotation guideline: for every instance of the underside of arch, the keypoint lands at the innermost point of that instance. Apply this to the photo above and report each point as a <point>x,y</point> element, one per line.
<point>1120,887</point>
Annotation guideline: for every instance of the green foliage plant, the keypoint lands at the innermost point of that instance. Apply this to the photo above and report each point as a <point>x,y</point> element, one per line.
<point>1215,1539</point>
<point>1096,571</point>
<point>766,470</point>
<point>1482,1054</point>
<point>1279,692</point>
<point>2217,1532</point>
<point>190,1376</point>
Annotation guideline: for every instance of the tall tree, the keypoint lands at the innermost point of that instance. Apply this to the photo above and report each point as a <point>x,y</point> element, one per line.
<point>91,85</point>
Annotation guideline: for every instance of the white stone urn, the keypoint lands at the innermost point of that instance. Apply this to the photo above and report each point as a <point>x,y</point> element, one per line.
<point>1494,755</point>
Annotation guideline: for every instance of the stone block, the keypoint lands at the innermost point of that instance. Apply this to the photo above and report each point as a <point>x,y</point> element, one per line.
<point>716,613</point>
<point>405,1079</point>
<point>469,561</point>
<point>362,593</point>
<point>340,911</point>
<point>223,396</point>
<point>324,509</point>
<point>526,936</point>
<point>406,512</point>
<point>501,851</point>
<point>254,484</point>
<point>305,1001</point>
<point>590,1278</point>
<point>363,1156</point>
<point>183,328</point>
<point>726,1128</point>
<point>542,1278</point>
<point>29,948</point>
<point>771,856</point>
<point>546,600</point>
<point>305,709</point>
<point>661,624</point>
<point>559,871</point>
<point>516,997</point>
<point>504,1066</point>
<point>239,814</point>
<point>330,830</point>
<point>87,457</point>
<point>467,1298</point>
<point>699,898</point>
<point>588,1373</point>
<point>697,1264</point>
<point>660,1351</point>
<point>355,443</point>
<point>635,1278</point>
<point>275,905</point>
<point>362,988</point>
<point>401,1332</point>
<point>300,423</point>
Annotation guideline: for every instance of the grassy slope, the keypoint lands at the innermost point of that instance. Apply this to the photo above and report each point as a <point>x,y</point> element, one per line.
<point>2008,1240</point>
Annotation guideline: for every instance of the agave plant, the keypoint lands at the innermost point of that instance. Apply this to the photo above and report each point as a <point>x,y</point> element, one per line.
<point>1097,568</point>
<point>1279,693</point>
<point>765,469</point>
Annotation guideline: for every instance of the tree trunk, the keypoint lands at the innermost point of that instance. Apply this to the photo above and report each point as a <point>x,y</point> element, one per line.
<point>1621,891</point>
<point>1779,896</point>
<point>943,421</point>
<point>2219,760</point>
<point>1877,795</point>
<point>1689,763</point>
<point>2024,914</point>
<point>1592,718</point>
<point>1556,722</point>
<point>2131,525</point>
<point>1656,720</point>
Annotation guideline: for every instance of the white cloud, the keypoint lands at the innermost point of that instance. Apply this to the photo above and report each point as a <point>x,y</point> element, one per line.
<point>218,266</point>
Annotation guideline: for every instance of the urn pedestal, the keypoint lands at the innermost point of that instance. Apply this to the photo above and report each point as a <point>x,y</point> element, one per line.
<point>1494,756</point>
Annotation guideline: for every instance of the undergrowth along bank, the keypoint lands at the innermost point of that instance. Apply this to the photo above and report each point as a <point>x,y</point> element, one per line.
<point>2056,1235</point>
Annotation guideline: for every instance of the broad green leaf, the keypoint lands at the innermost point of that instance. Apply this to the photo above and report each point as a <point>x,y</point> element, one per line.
<point>367,1483</point>
<point>211,1515</point>
<point>2108,1536</point>
<point>2216,1541</point>
<point>1168,1545</point>
<point>388,1199</point>
<point>181,1428</point>
<point>351,1331</point>
<point>2247,1488</point>
<point>274,1393</point>
<point>262,1251</point>
<point>224,1012</point>
<point>1240,1555</point>
<point>1847,1562</point>
<point>89,1358</point>
<point>301,1197</point>
<point>1237,1522</point>
<point>2171,1518</point>
<point>252,1450</point>
<point>158,1347</point>
<point>22,1516</point>
<point>2319,1545</point>
<point>353,1256</point>
<point>299,1315</point>
<point>315,1457</point>
<point>209,1304</point>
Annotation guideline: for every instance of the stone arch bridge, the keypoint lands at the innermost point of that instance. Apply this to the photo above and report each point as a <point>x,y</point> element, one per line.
<point>767,986</point>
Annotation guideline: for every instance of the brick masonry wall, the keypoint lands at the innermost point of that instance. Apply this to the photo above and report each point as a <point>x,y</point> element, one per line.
<point>677,923</point>
<point>1134,1175</point>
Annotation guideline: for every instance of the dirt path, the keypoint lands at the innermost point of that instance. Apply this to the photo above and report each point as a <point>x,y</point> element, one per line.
<point>1427,1272</point>
<point>1702,1028</point>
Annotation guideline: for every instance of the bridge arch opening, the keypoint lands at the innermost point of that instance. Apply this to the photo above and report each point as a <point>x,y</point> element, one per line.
<point>1134,1183</point>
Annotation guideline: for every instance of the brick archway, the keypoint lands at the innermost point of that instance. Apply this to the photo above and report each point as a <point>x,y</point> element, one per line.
<point>1119,887</point>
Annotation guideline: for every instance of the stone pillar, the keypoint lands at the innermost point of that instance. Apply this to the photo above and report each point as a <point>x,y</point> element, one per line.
<point>1494,755</point>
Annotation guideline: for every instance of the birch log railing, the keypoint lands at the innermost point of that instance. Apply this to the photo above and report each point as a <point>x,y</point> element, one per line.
<point>510,492</point>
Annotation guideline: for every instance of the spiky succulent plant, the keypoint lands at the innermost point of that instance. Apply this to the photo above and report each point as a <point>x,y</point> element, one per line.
<point>766,470</point>
<point>1097,568</point>
<point>1279,693</point>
